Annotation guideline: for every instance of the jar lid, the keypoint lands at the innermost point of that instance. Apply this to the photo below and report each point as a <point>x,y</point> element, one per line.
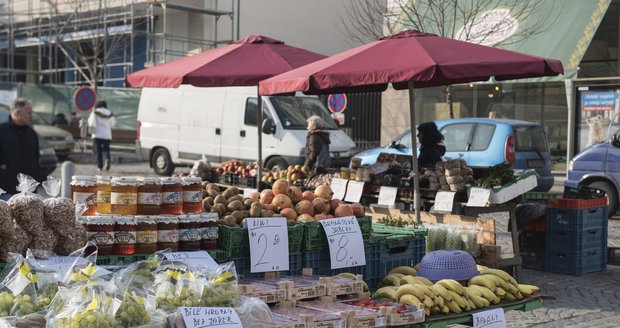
<point>148,180</point>
<point>209,217</point>
<point>191,180</point>
<point>146,219</point>
<point>126,219</point>
<point>100,220</point>
<point>167,219</point>
<point>83,180</point>
<point>125,181</point>
<point>170,180</point>
<point>190,218</point>
<point>104,178</point>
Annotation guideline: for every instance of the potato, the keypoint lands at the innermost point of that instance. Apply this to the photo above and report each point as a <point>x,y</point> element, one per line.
<point>239,215</point>
<point>210,200</point>
<point>229,193</point>
<point>220,199</point>
<point>206,205</point>
<point>213,193</point>
<point>231,220</point>
<point>255,212</point>
<point>213,186</point>
<point>266,213</point>
<point>220,207</point>
<point>236,206</point>
<point>248,203</point>
<point>234,198</point>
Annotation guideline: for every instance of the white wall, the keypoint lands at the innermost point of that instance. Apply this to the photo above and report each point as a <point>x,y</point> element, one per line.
<point>310,24</point>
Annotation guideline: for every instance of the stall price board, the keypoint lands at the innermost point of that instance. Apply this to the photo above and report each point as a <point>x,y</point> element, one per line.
<point>444,201</point>
<point>195,259</point>
<point>355,189</point>
<point>387,196</point>
<point>346,245</point>
<point>203,317</point>
<point>268,244</point>
<point>339,187</point>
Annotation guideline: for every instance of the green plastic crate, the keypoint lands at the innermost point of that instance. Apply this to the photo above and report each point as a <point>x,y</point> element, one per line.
<point>236,243</point>
<point>218,255</point>
<point>539,197</point>
<point>314,238</point>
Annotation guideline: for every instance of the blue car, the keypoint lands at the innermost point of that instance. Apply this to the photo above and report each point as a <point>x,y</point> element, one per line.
<point>598,166</point>
<point>484,143</point>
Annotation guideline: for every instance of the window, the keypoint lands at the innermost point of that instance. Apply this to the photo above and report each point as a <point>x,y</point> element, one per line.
<point>251,112</point>
<point>530,138</point>
<point>294,111</point>
<point>483,136</point>
<point>456,136</point>
<point>405,140</point>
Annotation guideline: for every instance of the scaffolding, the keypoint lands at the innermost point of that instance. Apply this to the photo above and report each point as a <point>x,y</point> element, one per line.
<point>99,42</point>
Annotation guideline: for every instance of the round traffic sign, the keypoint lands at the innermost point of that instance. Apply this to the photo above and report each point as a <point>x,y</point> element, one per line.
<point>337,103</point>
<point>85,99</point>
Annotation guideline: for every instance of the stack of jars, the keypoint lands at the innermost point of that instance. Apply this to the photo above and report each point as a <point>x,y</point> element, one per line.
<point>139,215</point>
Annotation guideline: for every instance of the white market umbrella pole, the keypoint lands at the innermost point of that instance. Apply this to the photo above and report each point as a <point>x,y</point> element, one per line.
<point>414,154</point>
<point>259,125</point>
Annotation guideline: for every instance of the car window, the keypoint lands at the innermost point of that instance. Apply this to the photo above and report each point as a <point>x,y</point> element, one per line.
<point>294,111</point>
<point>456,136</point>
<point>405,140</point>
<point>251,112</point>
<point>482,136</point>
<point>530,138</point>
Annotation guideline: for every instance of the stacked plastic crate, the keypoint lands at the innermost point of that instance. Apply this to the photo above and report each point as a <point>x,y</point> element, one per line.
<point>576,236</point>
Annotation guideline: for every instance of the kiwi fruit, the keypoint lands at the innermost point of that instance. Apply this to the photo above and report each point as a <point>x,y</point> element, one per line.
<point>206,205</point>
<point>220,207</point>
<point>255,212</point>
<point>239,215</point>
<point>213,186</point>
<point>220,199</point>
<point>248,203</point>
<point>236,206</point>
<point>213,193</point>
<point>228,193</point>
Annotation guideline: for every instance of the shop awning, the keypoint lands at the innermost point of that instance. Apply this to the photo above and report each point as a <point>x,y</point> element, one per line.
<point>571,25</point>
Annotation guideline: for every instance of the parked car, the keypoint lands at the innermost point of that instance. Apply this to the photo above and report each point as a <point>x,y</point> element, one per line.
<point>483,143</point>
<point>47,155</point>
<point>598,166</point>
<point>62,141</point>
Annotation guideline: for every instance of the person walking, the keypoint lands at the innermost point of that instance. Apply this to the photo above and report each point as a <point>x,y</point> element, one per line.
<point>100,124</point>
<point>19,147</point>
<point>431,147</point>
<point>317,144</point>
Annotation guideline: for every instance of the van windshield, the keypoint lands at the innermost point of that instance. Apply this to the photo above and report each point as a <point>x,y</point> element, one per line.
<point>294,111</point>
<point>530,138</point>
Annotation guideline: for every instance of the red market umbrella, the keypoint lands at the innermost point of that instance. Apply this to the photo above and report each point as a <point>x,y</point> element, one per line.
<point>243,63</point>
<point>405,60</point>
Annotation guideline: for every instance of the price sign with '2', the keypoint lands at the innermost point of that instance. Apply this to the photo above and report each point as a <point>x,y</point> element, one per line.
<point>268,244</point>
<point>346,245</point>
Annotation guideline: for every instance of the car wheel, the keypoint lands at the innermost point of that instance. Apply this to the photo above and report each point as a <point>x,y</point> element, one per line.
<point>162,162</point>
<point>276,162</point>
<point>612,195</point>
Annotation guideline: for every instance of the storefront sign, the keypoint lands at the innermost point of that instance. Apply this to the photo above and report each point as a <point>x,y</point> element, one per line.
<point>444,201</point>
<point>355,189</point>
<point>193,259</point>
<point>490,28</point>
<point>478,197</point>
<point>387,196</point>
<point>489,319</point>
<point>346,245</point>
<point>598,100</point>
<point>268,244</point>
<point>221,317</point>
<point>339,187</point>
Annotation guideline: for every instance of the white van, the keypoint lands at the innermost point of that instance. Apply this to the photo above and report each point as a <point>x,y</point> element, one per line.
<point>178,126</point>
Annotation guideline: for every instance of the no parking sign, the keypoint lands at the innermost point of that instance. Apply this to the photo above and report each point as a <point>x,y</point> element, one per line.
<point>85,99</point>
<point>337,103</point>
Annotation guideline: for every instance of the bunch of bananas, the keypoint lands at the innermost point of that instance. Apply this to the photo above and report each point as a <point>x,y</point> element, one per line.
<point>447,295</point>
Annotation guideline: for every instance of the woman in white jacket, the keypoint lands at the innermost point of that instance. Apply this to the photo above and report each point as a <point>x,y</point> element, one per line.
<point>100,124</point>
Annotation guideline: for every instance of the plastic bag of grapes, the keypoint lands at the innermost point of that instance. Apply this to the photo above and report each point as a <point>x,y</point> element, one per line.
<point>135,307</point>
<point>174,287</point>
<point>138,274</point>
<point>221,288</point>
<point>84,268</point>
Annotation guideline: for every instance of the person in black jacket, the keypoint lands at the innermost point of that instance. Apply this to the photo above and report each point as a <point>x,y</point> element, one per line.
<point>317,144</point>
<point>19,146</point>
<point>431,149</point>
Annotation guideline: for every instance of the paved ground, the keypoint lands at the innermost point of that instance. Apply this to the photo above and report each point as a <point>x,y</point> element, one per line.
<point>590,300</point>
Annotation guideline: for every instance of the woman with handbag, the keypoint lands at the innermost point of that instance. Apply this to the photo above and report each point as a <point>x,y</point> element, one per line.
<point>100,124</point>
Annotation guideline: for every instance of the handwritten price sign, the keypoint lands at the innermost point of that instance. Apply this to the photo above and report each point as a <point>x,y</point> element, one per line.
<point>387,196</point>
<point>339,187</point>
<point>346,245</point>
<point>354,191</point>
<point>444,201</point>
<point>268,244</point>
<point>199,317</point>
<point>195,259</point>
<point>489,319</point>
<point>478,197</point>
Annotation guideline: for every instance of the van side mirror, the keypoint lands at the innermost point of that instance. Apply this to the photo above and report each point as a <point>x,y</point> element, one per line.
<point>269,126</point>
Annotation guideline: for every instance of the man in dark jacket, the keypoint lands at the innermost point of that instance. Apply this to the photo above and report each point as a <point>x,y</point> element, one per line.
<point>19,146</point>
<point>317,144</point>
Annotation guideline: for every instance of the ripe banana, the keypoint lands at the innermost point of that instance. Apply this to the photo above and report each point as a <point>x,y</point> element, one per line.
<point>386,292</point>
<point>423,280</point>
<point>500,273</point>
<point>500,292</point>
<point>454,307</point>
<point>483,281</point>
<point>510,297</point>
<point>408,280</point>
<point>442,291</point>
<point>462,302</point>
<point>405,270</point>
<point>486,293</point>
<point>410,289</point>
<point>439,301</point>
<point>452,285</point>
<point>427,312</point>
<point>428,302</point>
<point>480,267</point>
<point>528,290</point>
<point>445,309</point>
<point>392,279</point>
<point>508,287</point>
<point>435,309</point>
<point>410,300</point>
<point>473,291</point>
<point>479,301</point>
<point>417,267</point>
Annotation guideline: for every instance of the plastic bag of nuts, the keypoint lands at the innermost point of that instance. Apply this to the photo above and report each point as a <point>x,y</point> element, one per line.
<point>6,222</point>
<point>27,207</point>
<point>45,240</point>
<point>73,237</point>
<point>58,212</point>
<point>19,242</point>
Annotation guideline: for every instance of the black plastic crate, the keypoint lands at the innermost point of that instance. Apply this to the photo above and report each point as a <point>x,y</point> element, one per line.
<point>576,263</point>
<point>583,192</point>
<point>533,259</point>
<point>532,240</point>
<point>577,241</point>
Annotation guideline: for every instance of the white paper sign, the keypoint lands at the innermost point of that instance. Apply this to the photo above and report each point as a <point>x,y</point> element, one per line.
<point>354,191</point>
<point>199,317</point>
<point>444,200</point>
<point>478,197</point>
<point>387,196</point>
<point>346,245</point>
<point>268,244</point>
<point>489,319</point>
<point>61,264</point>
<point>339,187</point>
<point>195,259</point>
<point>248,191</point>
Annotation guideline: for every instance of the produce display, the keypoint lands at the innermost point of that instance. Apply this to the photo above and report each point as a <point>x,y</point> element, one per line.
<point>237,167</point>
<point>498,175</point>
<point>451,175</point>
<point>450,296</point>
<point>292,174</point>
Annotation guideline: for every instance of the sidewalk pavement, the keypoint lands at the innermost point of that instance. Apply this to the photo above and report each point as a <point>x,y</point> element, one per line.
<point>88,157</point>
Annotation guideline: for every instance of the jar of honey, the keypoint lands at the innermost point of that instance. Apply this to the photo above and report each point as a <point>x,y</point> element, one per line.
<point>189,232</point>
<point>149,196</point>
<point>172,196</point>
<point>167,232</point>
<point>125,229</point>
<point>208,229</point>
<point>104,188</point>
<point>192,194</point>
<point>146,234</point>
<point>124,195</point>
<point>84,191</point>
<point>100,230</point>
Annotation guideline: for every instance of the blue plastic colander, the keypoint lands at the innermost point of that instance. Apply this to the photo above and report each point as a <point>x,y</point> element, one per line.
<point>447,264</point>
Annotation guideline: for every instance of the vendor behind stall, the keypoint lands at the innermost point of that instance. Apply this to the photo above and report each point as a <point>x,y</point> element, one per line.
<point>431,147</point>
<point>317,144</point>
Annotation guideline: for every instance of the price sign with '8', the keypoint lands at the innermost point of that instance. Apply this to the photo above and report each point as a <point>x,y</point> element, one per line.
<point>268,244</point>
<point>346,245</point>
